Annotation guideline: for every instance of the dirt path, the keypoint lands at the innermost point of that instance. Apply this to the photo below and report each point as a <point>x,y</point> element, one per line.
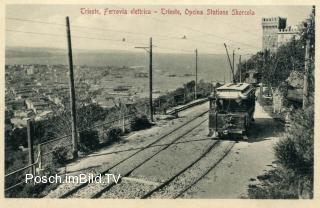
<point>243,164</point>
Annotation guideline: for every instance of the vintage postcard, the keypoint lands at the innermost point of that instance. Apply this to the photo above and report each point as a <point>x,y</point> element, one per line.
<point>190,103</point>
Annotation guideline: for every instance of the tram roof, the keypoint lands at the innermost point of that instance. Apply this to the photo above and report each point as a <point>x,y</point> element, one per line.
<point>234,90</point>
<point>234,87</point>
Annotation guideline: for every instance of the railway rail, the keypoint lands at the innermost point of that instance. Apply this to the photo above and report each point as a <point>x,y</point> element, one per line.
<point>167,188</point>
<point>178,182</point>
<point>73,192</point>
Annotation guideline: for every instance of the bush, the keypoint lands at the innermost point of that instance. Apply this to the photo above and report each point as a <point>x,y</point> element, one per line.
<point>295,151</point>
<point>89,140</point>
<point>33,190</point>
<point>113,135</point>
<point>60,156</point>
<point>276,185</point>
<point>140,122</point>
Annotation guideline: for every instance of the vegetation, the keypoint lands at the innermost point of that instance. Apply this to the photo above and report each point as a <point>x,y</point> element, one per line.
<point>140,122</point>
<point>88,140</point>
<point>276,67</point>
<point>293,177</point>
<point>88,115</point>
<point>60,156</point>
<point>113,135</point>
<point>182,95</point>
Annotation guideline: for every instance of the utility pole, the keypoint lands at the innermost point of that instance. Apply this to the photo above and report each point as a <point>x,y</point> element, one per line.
<point>72,95</point>
<point>233,62</point>
<point>239,69</point>
<point>150,80</point>
<point>306,68</point>
<point>149,50</point>
<point>195,86</point>
<point>30,134</point>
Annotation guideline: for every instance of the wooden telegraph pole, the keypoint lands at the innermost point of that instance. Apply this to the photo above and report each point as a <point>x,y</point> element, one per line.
<point>150,80</point>
<point>72,95</point>
<point>149,50</point>
<point>239,69</point>
<point>30,134</point>
<point>307,58</point>
<point>233,62</point>
<point>196,81</point>
<point>306,67</point>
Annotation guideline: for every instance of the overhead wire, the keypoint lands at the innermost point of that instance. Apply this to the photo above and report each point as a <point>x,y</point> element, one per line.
<point>136,33</point>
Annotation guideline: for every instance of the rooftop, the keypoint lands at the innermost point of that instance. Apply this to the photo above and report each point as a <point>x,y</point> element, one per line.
<point>235,91</point>
<point>233,87</point>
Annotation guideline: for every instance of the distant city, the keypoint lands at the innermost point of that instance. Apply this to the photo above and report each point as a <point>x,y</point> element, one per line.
<point>31,90</point>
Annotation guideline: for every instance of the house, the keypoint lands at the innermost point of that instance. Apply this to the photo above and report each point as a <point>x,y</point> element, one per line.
<point>37,105</point>
<point>23,113</point>
<point>16,104</point>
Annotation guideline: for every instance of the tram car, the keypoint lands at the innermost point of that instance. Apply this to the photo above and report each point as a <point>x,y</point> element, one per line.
<point>231,110</point>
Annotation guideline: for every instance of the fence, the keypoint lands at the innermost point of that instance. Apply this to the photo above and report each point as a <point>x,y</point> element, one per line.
<point>175,111</point>
<point>161,104</point>
<point>45,149</point>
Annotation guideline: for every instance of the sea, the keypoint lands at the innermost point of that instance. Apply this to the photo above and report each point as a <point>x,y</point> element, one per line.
<point>170,71</point>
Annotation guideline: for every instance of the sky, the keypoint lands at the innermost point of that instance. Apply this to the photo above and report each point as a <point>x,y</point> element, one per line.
<point>108,32</point>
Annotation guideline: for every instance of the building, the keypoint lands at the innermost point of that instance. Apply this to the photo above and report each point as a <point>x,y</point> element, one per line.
<point>270,29</point>
<point>16,104</point>
<point>31,70</point>
<point>27,113</point>
<point>37,105</point>
<point>287,34</point>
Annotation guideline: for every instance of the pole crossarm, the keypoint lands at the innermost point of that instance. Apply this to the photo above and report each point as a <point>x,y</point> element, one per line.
<point>144,48</point>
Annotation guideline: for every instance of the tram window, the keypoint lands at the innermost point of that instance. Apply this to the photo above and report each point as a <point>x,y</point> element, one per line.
<point>232,105</point>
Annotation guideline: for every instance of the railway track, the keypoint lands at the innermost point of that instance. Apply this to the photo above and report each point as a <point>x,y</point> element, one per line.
<point>180,182</point>
<point>129,164</point>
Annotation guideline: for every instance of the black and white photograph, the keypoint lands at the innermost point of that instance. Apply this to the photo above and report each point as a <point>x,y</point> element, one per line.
<point>159,101</point>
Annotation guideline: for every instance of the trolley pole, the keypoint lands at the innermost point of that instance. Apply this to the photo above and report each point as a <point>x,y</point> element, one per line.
<point>72,95</point>
<point>196,81</point>
<point>231,68</point>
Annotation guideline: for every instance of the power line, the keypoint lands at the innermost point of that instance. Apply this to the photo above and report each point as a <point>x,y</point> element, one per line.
<point>136,33</point>
<point>92,28</point>
<point>73,36</point>
<point>77,27</point>
<point>205,33</point>
<point>93,38</point>
<point>35,21</point>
